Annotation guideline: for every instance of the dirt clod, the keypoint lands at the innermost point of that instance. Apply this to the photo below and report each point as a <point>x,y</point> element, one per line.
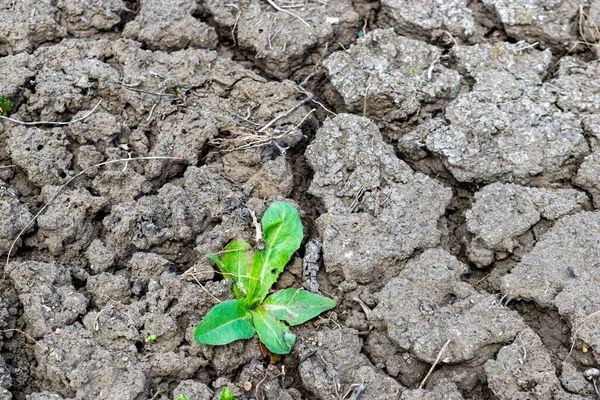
<point>436,306</point>
<point>389,77</point>
<point>379,209</point>
<point>562,272</point>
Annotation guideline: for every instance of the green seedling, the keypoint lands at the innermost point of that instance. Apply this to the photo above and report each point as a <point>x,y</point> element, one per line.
<point>181,397</point>
<point>5,107</point>
<point>226,394</point>
<point>151,338</point>
<point>253,273</point>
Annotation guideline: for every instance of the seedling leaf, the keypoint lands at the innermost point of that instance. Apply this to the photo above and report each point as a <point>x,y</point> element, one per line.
<point>226,274</point>
<point>296,306</point>
<point>151,338</point>
<point>236,260</point>
<point>220,264</point>
<point>274,334</point>
<point>224,323</point>
<point>254,272</point>
<point>5,107</point>
<point>283,233</point>
<point>226,394</point>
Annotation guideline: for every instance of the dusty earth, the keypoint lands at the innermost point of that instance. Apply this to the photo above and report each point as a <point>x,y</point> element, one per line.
<point>445,156</point>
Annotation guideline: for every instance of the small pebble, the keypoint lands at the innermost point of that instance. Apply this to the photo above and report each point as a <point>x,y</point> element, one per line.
<point>592,373</point>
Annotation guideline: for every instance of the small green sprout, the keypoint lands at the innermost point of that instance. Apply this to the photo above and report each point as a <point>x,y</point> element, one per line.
<point>226,394</point>
<point>5,107</point>
<point>151,338</point>
<point>181,397</point>
<point>254,272</point>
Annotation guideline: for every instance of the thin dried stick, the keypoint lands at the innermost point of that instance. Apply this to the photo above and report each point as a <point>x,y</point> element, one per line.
<point>358,392</point>
<point>579,326</point>
<point>364,307</point>
<point>155,395</point>
<point>309,97</point>
<point>435,363</point>
<point>451,37</point>
<point>519,336</point>
<point>134,89</point>
<point>64,185</point>
<point>252,140</point>
<point>596,388</point>
<point>359,389</point>
<point>257,227</point>
<point>529,46</point>
<point>205,289</point>
<point>44,349</point>
<point>16,121</point>
<point>293,14</point>
<point>583,19</point>
<point>259,383</point>
<point>235,23</point>
<point>365,100</point>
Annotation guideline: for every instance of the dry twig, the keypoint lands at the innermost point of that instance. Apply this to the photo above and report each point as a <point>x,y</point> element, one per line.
<point>260,242</point>
<point>235,23</point>
<point>309,96</point>
<point>133,88</point>
<point>244,140</point>
<point>579,326</point>
<point>16,121</point>
<point>365,99</point>
<point>359,389</point>
<point>205,289</point>
<point>358,392</point>
<point>451,37</point>
<point>585,19</point>
<point>364,307</point>
<point>44,349</point>
<point>435,363</point>
<point>293,14</point>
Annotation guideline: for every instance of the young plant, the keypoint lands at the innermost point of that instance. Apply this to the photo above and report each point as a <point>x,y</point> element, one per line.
<point>226,394</point>
<point>253,273</point>
<point>5,107</point>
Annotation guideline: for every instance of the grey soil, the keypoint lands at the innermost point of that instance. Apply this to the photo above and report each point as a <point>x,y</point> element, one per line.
<point>444,156</point>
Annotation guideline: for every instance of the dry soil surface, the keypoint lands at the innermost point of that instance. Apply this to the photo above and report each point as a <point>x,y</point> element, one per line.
<point>444,155</point>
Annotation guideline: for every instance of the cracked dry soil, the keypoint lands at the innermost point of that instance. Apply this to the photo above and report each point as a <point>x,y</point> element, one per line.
<point>444,155</point>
